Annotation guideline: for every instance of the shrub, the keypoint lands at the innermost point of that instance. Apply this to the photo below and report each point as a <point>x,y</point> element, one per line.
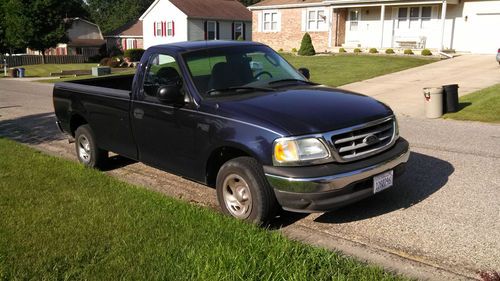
<point>342,50</point>
<point>389,51</point>
<point>134,54</point>
<point>280,50</point>
<point>105,62</point>
<point>306,46</point>
<point>408,52</point>
<point>114,51</point>
<point>373,51</point>
<point>294,50</point>
<point>240,38</point>
<point>357,51</point>
<point>426,52</point>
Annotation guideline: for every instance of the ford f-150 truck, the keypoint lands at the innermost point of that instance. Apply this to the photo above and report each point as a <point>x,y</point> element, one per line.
<point>238,117</point>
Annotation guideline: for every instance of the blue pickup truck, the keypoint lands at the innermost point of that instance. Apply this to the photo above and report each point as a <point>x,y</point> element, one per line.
<point>238,117</point>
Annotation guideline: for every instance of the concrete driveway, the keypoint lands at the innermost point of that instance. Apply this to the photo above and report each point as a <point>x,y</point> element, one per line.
<point>441,221</point>
<point>402,91</point>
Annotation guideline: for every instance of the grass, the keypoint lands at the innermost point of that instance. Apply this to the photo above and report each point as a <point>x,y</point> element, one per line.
<point>483,105</point>
<point>344,69</point>
<point>44,70</point>
<point>59,221</point>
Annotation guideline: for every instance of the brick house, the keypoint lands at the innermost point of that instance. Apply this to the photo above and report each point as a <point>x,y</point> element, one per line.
<point>463,25</point>
<point>128,36</point>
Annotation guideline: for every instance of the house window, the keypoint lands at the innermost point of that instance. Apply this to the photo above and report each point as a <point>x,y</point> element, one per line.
<point>238,30</point>
<point>270,21</point>
<point>419,17</point>
<point>131,44</point>
<point>211,30</point>
<point>170,28</point>
<point>158,29</point>
<point>353,20</point>
<point>316,20</point>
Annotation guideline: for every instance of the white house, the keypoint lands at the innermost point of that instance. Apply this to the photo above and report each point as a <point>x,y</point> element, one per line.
<point>169,21</point>
<point>462,25</point>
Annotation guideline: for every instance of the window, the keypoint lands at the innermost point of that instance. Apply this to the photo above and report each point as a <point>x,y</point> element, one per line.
<point>211,30</point>
<point>131,44</point>
<point>353,20</point>
<point>270,21</point>
<point>238,31</point>
<point>418,17</point>
<point>316,20</point>
<point>170,28</point>
<point>162,70</point>
<point>159,29</point>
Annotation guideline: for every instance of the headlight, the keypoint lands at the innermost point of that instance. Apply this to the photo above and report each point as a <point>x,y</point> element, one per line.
<point>292,150</point>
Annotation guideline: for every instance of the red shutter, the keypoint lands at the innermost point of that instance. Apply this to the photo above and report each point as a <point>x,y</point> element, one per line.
<point>124,44</point>
<point>164,28</point>
<point>173,29</point>
<point>135,44</point>
<point>154,29</point>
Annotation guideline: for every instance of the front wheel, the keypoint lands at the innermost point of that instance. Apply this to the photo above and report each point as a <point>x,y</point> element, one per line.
<point>243,191</point>
<point>86,148</point>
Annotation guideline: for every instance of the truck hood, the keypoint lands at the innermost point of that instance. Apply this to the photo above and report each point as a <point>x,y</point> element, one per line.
<point>305,110</point>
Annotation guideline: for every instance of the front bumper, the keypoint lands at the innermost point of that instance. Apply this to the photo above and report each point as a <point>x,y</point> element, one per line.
<point>326,187</point>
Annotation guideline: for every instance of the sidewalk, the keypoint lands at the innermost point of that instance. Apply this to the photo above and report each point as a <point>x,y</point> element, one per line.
<point>402,91</point>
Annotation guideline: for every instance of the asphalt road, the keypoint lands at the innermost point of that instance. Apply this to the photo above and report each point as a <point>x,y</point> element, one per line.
<point>441,220</point>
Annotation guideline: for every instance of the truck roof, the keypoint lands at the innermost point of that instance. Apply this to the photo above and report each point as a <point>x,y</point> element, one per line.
<point>197,45</point>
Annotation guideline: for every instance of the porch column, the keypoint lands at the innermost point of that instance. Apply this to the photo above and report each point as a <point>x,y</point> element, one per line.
<point>443,21</point>
<point>330,31</point>
<point>382,20</point>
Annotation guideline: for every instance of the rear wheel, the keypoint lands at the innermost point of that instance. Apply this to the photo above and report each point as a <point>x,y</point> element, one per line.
<point>243,191</point>
<point>86,148</point>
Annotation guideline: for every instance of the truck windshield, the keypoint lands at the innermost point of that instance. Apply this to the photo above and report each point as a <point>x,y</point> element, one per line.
<point>239,70</point>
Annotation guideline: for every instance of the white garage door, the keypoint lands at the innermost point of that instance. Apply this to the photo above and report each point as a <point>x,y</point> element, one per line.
<point>487,40</point>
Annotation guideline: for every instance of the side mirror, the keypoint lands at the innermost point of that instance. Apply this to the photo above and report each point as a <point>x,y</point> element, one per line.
<point>170,94</point>
<point>305,72</point>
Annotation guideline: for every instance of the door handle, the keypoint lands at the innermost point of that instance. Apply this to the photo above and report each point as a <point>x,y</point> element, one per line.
<point>138,113</point>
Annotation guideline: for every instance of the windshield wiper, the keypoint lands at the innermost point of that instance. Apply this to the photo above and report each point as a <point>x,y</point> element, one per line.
<point>231,89</point>
<point>292,80</point>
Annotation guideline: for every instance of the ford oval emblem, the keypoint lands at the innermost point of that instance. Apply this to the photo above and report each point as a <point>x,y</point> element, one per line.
<point>370,139</point>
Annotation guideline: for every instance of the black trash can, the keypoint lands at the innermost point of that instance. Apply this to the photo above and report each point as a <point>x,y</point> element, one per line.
<point>450,101</point>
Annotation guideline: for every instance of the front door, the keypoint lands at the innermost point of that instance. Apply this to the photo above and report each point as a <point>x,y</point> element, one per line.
<point>165,133</point>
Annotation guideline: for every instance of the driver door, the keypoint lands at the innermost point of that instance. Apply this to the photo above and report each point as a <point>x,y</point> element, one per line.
<point>164,132</point>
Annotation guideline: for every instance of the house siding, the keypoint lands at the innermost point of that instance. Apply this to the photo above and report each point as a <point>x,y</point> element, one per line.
<point>164,11</point>
<point>196,29</point>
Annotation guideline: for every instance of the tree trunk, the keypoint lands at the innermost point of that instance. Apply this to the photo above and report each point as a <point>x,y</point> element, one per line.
<point>43,57</point>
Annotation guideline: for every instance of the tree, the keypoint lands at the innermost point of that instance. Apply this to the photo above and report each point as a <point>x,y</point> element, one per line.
<point>306,46</point>
<point>249,2</point>
<point>3,44</point>
<point>38,24</point>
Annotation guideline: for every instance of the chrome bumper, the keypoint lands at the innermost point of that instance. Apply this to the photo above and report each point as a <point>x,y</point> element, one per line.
<point>333,182</point>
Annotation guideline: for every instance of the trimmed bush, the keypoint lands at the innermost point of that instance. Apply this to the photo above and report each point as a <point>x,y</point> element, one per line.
<point>280,50</point>
<point>240,38</point>
<point>105,62</point>
<point>342,50</point>
<point>134,54</point>
<point>294,50</point>
<point>373,51</point>
<point>389,51</point>
<point>306,46</point>
<point>357,51</point>
<point>408,52</point>
<point>426,52</point>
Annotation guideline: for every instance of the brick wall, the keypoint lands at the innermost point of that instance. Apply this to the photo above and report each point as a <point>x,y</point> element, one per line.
<point>291,32</point>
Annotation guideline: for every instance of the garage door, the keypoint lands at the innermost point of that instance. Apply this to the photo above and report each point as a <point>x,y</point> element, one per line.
<point>487,40</point>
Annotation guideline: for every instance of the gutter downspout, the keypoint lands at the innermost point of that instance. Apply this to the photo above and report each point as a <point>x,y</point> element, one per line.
<point>443,21</point>
<point>330,31</point>
<point>382,21</point>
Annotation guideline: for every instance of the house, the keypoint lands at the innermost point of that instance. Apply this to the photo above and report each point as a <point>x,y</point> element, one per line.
<point>84,38</point>
<point>128,36</point>
<point>168,21</point>
<point>462,25</point>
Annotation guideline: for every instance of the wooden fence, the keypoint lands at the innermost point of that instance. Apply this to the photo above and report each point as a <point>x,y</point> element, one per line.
<point>13,61</point>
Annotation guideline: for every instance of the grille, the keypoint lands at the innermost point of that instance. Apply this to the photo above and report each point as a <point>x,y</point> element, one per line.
<point>363,141</point>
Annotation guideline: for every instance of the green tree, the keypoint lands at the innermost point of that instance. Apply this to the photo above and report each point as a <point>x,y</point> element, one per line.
<point>306,46</point>
<point>38,24</point>
<point>3,44</point>
<point>249,2</point>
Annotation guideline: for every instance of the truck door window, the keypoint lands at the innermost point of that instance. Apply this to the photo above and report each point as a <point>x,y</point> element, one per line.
<point>162,70</point>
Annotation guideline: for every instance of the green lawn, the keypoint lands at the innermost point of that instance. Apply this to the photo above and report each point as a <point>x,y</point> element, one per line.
<point>44,70</point>
<point>60,221</point>
<point>483,105</point>
<point>344,69</point>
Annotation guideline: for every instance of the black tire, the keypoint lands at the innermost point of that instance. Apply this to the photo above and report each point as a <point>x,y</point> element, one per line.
<point>89,155</point>
<point>246,171</point>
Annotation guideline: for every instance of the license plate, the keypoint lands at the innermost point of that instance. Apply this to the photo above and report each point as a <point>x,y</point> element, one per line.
<point>383,181</point>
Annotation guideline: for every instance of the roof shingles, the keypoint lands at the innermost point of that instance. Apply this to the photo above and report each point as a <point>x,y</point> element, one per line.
<point>214,9</point>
